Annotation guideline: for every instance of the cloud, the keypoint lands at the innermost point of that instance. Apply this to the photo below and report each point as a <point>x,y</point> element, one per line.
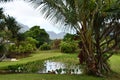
<point>26,14</point>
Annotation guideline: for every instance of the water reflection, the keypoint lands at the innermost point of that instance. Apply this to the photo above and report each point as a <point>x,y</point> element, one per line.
<point>60,68</point>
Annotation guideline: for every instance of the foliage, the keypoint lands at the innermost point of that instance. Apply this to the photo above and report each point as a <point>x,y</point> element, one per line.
<point>45,46</point>
<point>20,37</point>
<point>31,41</point>
<point>68,46</point>
<point>2,49</point>
<point>26,68</point>
<point>8,32</point>
<point>14,49</point>
<point>12,26</point>
<point>38,34</point>
<point>69,37</point>
<point>11,37</point>
<point>94,21</point>
<point>55,44</point>
<point>27,46</point>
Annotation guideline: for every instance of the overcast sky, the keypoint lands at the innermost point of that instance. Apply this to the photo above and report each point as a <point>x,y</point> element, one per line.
<point>24,13</point>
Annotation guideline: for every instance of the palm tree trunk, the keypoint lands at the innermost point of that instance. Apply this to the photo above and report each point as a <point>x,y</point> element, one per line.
<point>95,63</point>
<point>3,57</point>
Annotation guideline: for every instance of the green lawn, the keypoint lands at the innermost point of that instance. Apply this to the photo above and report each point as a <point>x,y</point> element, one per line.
<point>57,56</point>
<point>115,63</point>
<point>47,77</point>
<point>41,55</point>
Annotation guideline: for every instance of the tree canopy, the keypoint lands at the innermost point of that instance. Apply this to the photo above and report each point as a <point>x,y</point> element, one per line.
<point>8,32</point>
<point>39,34</point>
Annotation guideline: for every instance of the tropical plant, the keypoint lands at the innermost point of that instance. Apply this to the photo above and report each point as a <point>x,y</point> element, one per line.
<point>3,36</point>
<point>96,22</point>
<point>9,31</point>
<point>12,26</point>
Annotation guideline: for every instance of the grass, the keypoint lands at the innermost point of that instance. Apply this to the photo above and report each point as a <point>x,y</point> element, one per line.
<point>47,77</point>
<point>67,58</point>
<point>41,55</point>
<point>115,63</point>
<point>57,56</point>
<point>115,66</point>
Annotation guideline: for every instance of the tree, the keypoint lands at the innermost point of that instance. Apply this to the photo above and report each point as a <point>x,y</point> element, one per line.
<point>31,41</point>
<point>69,37</point>
<point>3,45</point>
<point>39,34</point>
<point>12,26</point>
<point>96,22</point>
<point>2,16</point>
<point>3,36</point>
<point>9,31</point>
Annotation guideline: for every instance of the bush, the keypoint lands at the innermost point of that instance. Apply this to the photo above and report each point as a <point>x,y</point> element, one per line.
<point>20,49</point>
<point>45,46</point>
<point>30,67</point>
<point>56,44</point>
<point>29,48</point>
<point>13,48</point>
<point>32,42</point>
<point>16,68</point>
<point>68,47</point>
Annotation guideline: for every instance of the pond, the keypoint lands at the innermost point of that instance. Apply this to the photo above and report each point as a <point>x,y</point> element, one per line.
<point>60,68</point>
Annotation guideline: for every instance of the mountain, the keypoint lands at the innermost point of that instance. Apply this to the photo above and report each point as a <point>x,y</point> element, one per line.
<point>23,27</point>
<point>54,35</point>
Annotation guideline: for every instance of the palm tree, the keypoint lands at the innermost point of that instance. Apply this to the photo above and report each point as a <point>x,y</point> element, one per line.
<point>2,16</point>
<point>2,36</point>
<point>96,22</point>
<point>12,26</point>
<point>9,31</point>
